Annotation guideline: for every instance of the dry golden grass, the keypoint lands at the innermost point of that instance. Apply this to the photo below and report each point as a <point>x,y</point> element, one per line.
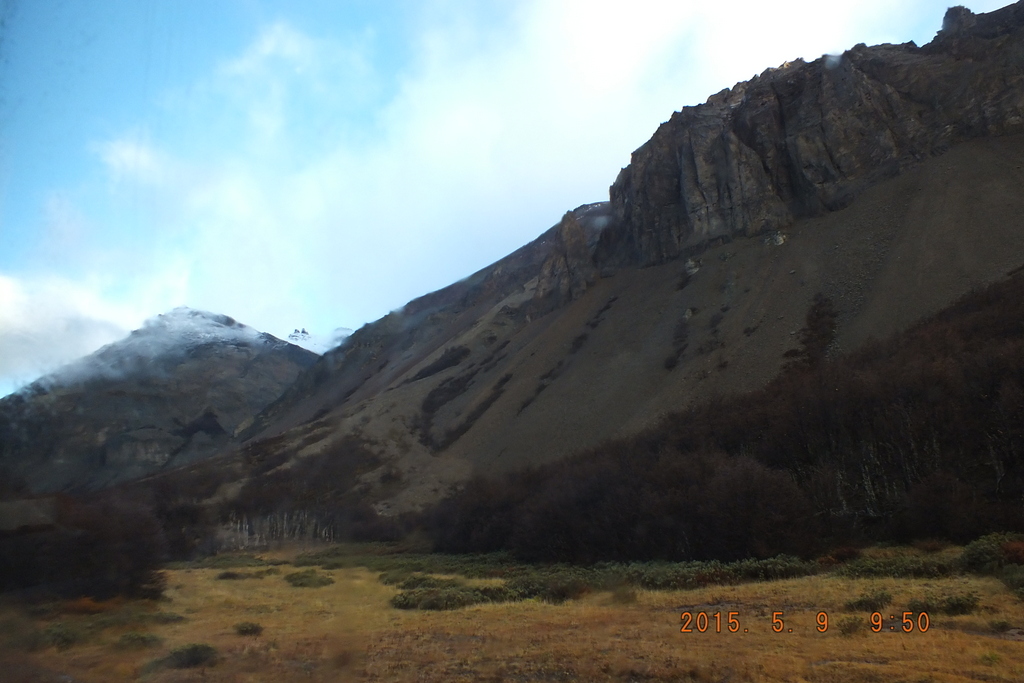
<point>348,631</point>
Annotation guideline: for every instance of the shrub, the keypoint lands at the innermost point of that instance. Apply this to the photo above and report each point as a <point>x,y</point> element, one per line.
<point>928,603</point>
<point>903,567</point>
<point>1013,551</point>
<point>987,555</point>
<point>437,598</point>
<point>190,656</point>
<point>954,605</point>
<point>1012,577</point>
<point>165,618</point>
<point>62,636</point>
<point>248,628</point>
<point>309,578</point>
<point>133,640</point>
<point>559,589</point>
<point>423,581</point>
<point>999,626</point>
<point>870,602</point>
<point>850,625</point>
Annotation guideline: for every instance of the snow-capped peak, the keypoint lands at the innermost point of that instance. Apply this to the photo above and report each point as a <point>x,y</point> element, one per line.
<point>318,343</point>
<point>163,337</point>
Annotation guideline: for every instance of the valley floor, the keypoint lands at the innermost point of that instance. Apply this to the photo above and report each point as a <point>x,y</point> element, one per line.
<point>348,630</point>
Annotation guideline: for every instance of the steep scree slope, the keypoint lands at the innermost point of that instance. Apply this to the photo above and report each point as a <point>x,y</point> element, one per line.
<point>888,179</point>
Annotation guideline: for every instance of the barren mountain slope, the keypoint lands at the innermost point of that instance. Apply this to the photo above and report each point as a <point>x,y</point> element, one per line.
<point>888,180</point>
<point>596,367</point>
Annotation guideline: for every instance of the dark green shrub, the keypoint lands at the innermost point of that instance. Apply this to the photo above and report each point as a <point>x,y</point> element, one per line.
<point>133,640</point>
<point>248,628</point>
<point>437,598</point>
<point>1012,577</point>
<point>309,578</point>
<point>954,605</point>
<point>164,618</point>
<point>870,602</point>
<point>987,554</point>
<point>928,603</point>
<point>190,656</point>
<point>558,589</point>
<point>905,567</point>
<point>62,636</point>
<point>423,581</point>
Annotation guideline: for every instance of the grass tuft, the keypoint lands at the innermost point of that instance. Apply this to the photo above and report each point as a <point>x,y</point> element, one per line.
<point>309,578</point>
<point>190,656</point>
<point>248,628</point>
<point>133,640</point>
<point>870,602</point>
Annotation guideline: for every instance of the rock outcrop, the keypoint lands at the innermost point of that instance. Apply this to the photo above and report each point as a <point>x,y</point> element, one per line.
<point>807,138</point>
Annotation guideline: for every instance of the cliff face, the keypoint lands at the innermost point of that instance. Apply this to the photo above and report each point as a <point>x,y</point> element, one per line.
<point>807,138</point>
<point>876,178</point>
<point>171,393</point>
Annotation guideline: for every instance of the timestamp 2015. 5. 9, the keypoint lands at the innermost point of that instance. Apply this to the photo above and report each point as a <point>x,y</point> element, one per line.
<point>734,622</point>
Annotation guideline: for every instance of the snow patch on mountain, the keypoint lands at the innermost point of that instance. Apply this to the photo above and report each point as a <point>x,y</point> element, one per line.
<point>319,343</point>
<point>156,346</point>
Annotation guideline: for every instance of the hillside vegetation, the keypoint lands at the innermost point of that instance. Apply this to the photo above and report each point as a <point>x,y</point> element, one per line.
<point>915,437</point>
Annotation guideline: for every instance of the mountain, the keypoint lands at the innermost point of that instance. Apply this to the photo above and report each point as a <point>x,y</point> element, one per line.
<point>867,190</point>
<point>886,181</point>
<point>170,393</point>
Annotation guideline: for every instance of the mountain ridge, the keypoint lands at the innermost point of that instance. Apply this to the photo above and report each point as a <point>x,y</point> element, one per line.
<point>662,297</point>
<point>171,392</point>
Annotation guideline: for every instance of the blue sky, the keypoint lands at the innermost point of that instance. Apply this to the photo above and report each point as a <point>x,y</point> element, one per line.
<point>316,164</point>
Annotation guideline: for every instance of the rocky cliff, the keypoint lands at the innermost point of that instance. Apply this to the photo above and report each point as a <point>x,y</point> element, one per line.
<point>171,393</point>
<point>887,180</point>
<point>807,138</point>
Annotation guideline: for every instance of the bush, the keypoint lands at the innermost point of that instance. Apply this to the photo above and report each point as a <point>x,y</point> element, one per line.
<point>133,640</point>
<point>987,555</point>
<point>248,628</point>
<point>905,567</point>
<point>1012,577</point>
<point>954,605</point>
<point>309,578</point>
<point>165,618</point>
<point>190,656</point>
<point>870,602</point>
<point>437,598</point>
<point>62,636</point>
<point>850,625</point>
<point>928,603</point>
<point>100,549</point>
<point>999,626</point>
<point>423,581</point>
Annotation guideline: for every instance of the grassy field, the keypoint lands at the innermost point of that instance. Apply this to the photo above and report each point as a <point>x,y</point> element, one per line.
<point>300,627</point>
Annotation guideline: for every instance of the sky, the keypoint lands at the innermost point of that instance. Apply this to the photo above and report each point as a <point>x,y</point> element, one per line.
<point>317,164</point>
